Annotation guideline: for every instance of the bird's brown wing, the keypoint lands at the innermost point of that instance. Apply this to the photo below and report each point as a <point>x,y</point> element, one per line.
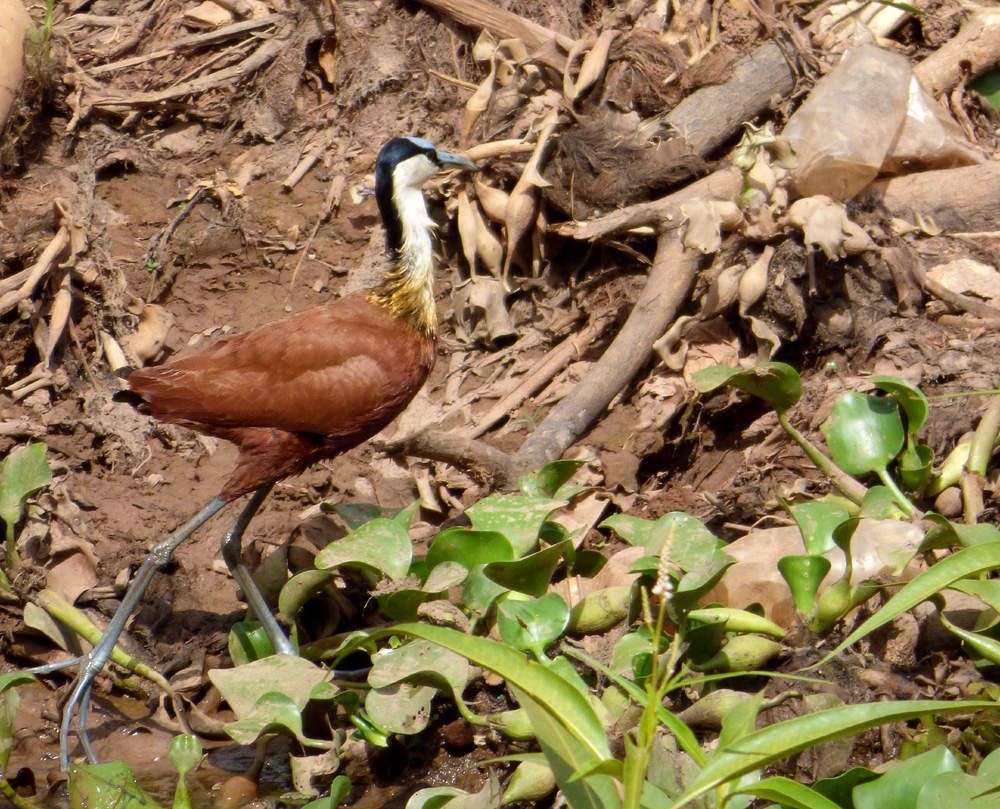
<point>331,370</point>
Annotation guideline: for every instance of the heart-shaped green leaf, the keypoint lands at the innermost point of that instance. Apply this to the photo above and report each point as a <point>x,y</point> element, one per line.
<point>864,432</point>
<point>382,544</point>
<point>469,548</point>
<point>292,676</point>
<point>103,786</point>
<point>516,516</point>
<point>532,625</point>
<point>817,520</point>
<point>22,472</point>
<point>776,383</point>
<point>530,574</point>
<point>909,397</point>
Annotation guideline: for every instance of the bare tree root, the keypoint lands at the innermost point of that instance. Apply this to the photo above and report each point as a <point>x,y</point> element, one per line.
<point>479,14</point>
<point>962,199</point>
<point>661,213</point>
<point>667,288</point>
<point>670,280</point>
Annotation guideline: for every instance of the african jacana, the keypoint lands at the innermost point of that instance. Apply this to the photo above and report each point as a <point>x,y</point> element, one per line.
<point>302,389</point>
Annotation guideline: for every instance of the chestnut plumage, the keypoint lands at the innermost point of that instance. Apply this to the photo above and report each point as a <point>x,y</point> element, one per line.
<point>296,391</point>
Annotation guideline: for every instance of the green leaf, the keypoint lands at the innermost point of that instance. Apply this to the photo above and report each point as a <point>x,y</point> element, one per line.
<point>804,573</point>
<point>902,782</point>
<point>272,712</point>
<point>422,662</point>
<point>469,548</point>
<point>567,758</point>
<point>518,517</point>
<point>383,544</point>
<point>947,534</point>
<point>776,383</point>
<point>816,520</point>
<point>864,432</point>
<point>960,565</point>
<point>960,790</point>
<point>839,789</point>
<point>248,642</point>
<point>243,687</point>
<point>23,472</point>
<point>530,574</point>
<point>9,702</point>
<point>299,589</point>
<point>432,797</point>
<point>879,504</point>
<point>915,466</point>
<point>12,679</point>
<point>909,397</point>
<point>567,707</point>
<point>185,754</point>
<point>548,480</point>
<point>106,786</point>
<point>988,86</point>
<point>983,645</point>
<point>788,793</point>
<point>634,530</point>
<point>532,625</point>
<point>340,790</point>
<point>784,739</point>
<point>402,708</point>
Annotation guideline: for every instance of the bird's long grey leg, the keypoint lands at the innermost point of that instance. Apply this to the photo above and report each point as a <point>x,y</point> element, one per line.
<point>232,553</point>
<point>95,659</point>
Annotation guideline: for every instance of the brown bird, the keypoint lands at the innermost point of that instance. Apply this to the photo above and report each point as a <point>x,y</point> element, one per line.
<point>291,393</point>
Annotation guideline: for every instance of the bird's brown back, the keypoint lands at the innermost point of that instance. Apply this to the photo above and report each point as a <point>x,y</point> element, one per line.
<point>291,392</point>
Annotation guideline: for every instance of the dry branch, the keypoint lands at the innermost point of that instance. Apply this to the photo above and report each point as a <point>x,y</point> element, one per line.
<point>661,213</point>
<point>479,14</point>
<point>709,116</point>
<point>971,52</point>
<point>239,72</point>
<point>189,43</point>
<point>962,199</point>
<point>667,288</point>
<point>557,359</point>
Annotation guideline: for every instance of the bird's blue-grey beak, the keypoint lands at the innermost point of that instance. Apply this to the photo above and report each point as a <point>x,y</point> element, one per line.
<point>449,159</point>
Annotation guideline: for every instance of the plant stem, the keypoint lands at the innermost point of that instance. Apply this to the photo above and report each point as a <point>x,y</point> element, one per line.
<point>901,500</point>
<point>984,439</point>
<point>851,489</point>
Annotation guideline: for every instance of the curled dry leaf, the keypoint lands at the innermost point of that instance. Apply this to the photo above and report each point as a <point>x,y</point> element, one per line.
<point>147,340</point>
<point>113,352</point>
<point>492,200</point>
<point>753,283</point>
<point>478,102</point>
<point>467,230</point>
<point>591,69</point>
<point>705,221</point>
<point>825,225</point>
<point>488,246</point>
<point>723,292</point>
<point>486,296</point>
<point>523,205</point>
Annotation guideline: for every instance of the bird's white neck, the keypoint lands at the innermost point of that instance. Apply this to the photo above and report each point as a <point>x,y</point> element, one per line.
<point>408,290</point>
